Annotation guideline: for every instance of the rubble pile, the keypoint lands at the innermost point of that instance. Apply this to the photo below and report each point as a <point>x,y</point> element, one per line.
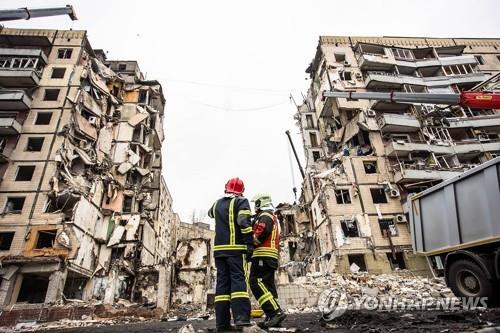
<point>403,287</point>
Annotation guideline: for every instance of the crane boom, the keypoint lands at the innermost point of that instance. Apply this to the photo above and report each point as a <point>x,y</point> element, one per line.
<point>27,13</point>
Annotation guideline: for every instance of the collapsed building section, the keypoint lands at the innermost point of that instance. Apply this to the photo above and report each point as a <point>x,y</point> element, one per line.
<point>194,273</point>
<point>85,212</point>
<point>364,157</point>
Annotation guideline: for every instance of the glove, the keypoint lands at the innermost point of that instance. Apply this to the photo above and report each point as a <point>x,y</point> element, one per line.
<point>250,249</point>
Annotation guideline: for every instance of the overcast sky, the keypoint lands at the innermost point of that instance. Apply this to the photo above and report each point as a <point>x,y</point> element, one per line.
<point>228,68</point>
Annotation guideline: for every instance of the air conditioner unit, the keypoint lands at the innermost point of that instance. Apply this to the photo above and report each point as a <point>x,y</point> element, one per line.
<point>93,120</point>
<point>371,113</point>
<point>483,137</point>
<point>400,218</point>
<point>427,108</point>
<point>359,76</point>
<point>346,63</point>
<point>394,193</point>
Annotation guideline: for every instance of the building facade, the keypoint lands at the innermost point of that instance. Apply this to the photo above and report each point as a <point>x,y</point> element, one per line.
<point>364,157</point>
<point>85,213</point>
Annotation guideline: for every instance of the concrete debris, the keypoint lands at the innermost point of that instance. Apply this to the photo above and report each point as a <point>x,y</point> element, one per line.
<point>253,329</point>
<point>402,286</point>
<point>187,329</point>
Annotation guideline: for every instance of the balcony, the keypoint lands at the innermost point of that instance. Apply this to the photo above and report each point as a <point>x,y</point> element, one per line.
<point>415,173</point>
<point>403,148</point>
<point>383,80</point>
<point>489,122</point>
<point>9,126</point>
<point>21,68</point>
<point>398,123</point>
<point>474,146</point>
<point>376,62</point>
<point>14,100</point>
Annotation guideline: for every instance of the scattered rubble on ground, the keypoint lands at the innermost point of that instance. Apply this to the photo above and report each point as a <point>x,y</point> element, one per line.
<point>401,286</point>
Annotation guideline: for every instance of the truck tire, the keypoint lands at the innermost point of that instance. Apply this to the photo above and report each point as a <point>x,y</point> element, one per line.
<point>467,279</point>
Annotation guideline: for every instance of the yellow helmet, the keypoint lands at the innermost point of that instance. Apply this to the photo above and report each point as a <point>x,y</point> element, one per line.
<point>262,200</point>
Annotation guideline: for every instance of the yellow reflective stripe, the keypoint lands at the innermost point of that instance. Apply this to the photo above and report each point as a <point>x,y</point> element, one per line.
<point>271,298</point>
<point>273,236</point>
<point>268,214</point>
<point>240,294</point>
<point>213,208</point>
<point>245,212</point>
<point>256,241</point>
<point>246,230</point>
<point>222,298</point>
<point>229,247</point>
<point>232,235</point>
<point>266,249</point>
<point>266,255</point>
<point>264,298</point>
<point>245,269</point>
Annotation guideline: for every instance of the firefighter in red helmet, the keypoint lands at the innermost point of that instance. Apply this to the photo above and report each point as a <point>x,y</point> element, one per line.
<point>233,242</point>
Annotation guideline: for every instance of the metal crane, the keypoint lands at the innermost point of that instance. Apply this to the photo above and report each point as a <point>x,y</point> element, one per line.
<point>481,97</point>
<point>27,13</point>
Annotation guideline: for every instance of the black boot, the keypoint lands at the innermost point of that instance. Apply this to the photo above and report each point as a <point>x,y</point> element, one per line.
<point>273,321</point>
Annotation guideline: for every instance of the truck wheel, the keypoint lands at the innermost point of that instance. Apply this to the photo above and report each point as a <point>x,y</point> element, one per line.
<point>467,279</point>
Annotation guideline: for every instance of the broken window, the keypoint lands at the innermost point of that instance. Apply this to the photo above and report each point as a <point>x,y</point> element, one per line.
<point>343,196</point>
<point>292,249</point>
<point>388,227</point>
<point>309,121</point>
<point>58,73</point>
<point>350,228</point>
<point>339,57</point>
<point>143,96</point>
<point>24,173</point>
<point>127,204</point>
<point>370,167</point>
<point>45,239</point>
<point>402,54</point>
<point>479,59</point>
<point>14,205</point>
<point>345,75</point>
<point>6,240</point>
<point>316,155</point>
<point>64,53</point>
<point>357,260</point>
<point>33,288</point>
<point>122,67</point>
<point>34,144</point>
<point>378,195</point>
<point>396,260</point>
<point>51,94</point>
<point>314,139</point>
<point>74,286</point>
<point>43,118</point>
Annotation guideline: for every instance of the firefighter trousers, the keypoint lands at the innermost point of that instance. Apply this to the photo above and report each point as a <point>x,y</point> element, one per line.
<point>263,285</point>
<point>231,291</point>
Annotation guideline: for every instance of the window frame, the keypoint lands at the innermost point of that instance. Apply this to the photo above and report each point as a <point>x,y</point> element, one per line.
<point>25,166</point>
<point>340,193</point>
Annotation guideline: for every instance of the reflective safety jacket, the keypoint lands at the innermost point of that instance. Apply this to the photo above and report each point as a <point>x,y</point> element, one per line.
<point>266,235</point>
<point>233,226</point>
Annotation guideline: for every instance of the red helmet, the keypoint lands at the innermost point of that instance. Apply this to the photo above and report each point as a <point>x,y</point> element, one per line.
<point>235,185</point>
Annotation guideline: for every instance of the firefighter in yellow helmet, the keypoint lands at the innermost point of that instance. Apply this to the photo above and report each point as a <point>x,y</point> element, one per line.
<point>265,260</point>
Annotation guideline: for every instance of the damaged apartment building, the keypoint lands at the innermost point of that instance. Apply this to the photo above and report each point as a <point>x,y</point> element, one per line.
<point>364,157</point>
<point>84,211</point>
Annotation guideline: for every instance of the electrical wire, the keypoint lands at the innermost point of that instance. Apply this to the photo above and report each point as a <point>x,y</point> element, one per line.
<point>216,85</point>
